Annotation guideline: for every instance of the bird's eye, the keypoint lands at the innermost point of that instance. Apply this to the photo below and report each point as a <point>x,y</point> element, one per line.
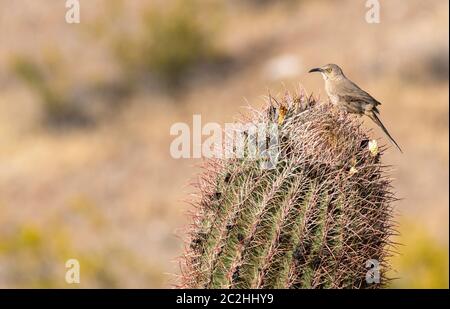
<point>328,70</point>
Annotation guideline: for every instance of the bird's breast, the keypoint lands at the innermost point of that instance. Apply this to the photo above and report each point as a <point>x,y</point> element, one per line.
<point>334,98</point>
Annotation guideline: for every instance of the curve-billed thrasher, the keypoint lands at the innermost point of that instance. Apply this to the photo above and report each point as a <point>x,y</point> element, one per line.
<point>347,95</point>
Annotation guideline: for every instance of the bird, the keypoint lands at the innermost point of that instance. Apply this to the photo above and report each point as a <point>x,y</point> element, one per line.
<point>346,95</point>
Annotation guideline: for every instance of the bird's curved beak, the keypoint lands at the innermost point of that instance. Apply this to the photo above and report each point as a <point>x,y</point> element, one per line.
<point>315,70</point>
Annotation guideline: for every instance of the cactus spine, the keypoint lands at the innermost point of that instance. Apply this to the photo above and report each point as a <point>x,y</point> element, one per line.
<point>312,221</point>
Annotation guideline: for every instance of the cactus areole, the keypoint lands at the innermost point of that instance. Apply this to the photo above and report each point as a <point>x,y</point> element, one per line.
<point>321,217</point>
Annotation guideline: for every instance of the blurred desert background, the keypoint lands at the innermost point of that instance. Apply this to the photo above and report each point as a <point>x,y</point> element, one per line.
<point>86,109</point>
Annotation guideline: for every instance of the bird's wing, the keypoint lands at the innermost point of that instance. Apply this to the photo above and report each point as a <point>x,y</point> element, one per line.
<point>359,100</point>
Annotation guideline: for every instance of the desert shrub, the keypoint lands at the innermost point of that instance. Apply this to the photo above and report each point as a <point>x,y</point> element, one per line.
<point>423,259</point>
<point>49,85</point>
<point>170,44</point>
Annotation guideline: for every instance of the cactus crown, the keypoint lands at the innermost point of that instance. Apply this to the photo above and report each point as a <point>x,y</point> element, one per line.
<point>318,219</point>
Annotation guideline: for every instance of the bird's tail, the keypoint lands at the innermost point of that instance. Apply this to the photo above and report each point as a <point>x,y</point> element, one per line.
<point>377,120</point>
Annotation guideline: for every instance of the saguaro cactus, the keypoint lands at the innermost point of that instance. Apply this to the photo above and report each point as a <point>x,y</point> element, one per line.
<point>321,218</point>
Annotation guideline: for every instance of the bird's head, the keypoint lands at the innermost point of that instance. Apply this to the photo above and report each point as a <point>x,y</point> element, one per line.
<point>329,71</point>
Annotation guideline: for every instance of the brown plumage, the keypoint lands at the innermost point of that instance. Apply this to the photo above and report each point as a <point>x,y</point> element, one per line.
<point>347,95</point>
